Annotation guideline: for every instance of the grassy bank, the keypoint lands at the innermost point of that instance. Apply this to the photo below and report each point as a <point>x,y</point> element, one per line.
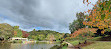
<point>76,42</point>
<point>99,45</point>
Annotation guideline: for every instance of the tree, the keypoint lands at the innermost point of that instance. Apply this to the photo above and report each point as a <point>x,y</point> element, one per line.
<point>99,16</point>
<point>41,37</point>
<point>83,32</point>
<point>73,26</point>
<point>80,18</point>
<point>66,35</point>
<point>77,24</point>
<point>25,34</point>
<point>17,31</point>
<point>51,37</point>
<point>6,31</point>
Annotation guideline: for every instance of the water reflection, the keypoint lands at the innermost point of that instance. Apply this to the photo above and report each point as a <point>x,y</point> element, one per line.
<point>26,46</point>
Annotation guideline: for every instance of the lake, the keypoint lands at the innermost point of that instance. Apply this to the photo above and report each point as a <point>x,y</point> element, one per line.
<point>26,46</point>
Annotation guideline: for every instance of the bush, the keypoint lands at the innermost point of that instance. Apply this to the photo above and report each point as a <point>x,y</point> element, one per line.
<point>64,44</point>
<point>69,39</point>
<point>17,41</point>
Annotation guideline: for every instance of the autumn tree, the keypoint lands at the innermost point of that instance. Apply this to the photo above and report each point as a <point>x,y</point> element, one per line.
<point>84,32</point>
<point>25,34</point>
<point>100,16</point>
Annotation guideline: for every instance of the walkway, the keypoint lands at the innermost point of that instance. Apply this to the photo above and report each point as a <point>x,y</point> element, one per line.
<point>70,46</point>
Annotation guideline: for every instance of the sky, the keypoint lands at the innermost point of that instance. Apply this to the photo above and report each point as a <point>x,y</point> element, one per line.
<point>42,14</point>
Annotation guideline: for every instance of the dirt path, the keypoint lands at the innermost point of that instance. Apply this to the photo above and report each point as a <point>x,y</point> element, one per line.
<point>70,46</point>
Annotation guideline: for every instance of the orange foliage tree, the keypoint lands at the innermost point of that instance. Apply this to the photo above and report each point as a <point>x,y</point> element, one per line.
<point>99,16</point>
<point>25,34</point>
<point>82,31</point>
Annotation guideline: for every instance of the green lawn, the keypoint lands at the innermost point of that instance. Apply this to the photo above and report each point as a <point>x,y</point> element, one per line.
<point>96,45</point>
<point>99,45</point>
<point>64,47</point>
<point>76,42</point>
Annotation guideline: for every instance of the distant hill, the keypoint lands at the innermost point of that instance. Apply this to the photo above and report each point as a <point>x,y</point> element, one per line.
<point>44,34</point>
<point>6,31</point>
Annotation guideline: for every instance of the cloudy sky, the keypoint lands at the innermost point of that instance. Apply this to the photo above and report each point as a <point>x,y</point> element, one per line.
<point>41,14</point>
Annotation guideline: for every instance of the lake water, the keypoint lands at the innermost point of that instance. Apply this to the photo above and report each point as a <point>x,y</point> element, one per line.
<point>26,46</point>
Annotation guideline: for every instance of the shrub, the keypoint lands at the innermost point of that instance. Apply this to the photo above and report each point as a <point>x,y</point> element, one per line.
<point>84,32</point>
<point>17,41</point>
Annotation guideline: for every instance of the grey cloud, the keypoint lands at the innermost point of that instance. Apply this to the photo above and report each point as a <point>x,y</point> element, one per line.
<point>49,14</point>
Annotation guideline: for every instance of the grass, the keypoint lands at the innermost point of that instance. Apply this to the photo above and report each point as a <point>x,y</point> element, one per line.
<point>64,47</point>
<point>101,38</point>
<point>99,45</point>
<point>76,42</point>
<point>101,42</point>
<point>95,38</point>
